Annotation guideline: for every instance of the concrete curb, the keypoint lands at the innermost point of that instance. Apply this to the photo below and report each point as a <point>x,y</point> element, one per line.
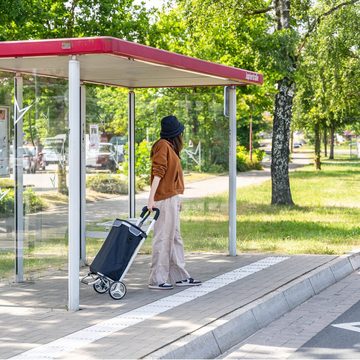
<point>216,338</point>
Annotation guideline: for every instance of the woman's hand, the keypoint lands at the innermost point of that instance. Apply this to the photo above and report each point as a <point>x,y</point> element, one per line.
<point>151,204</point>
<point>154,186</point>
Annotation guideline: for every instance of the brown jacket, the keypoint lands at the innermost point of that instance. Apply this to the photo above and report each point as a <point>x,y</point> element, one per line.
<point>166,164</point>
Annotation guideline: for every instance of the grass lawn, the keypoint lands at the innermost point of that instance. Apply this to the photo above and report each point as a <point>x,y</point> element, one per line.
<point>325,219</point>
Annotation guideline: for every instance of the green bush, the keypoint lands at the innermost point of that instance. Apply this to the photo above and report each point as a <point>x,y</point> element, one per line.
<point>142,162</point>
<point>214,168</point>
<point>7,183</point>
<point>108,183</point>
<point>7,204</point>
<point>112,183</point>
<point>243,162</point>
<point>32,203</point>
<point>259,153</point>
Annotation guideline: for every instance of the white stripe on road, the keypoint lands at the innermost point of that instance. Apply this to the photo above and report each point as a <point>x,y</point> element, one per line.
<point>104,328</point>
<point>354,326</point>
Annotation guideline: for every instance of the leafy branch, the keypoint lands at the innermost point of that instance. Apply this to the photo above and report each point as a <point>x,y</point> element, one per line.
<point>318,20</point>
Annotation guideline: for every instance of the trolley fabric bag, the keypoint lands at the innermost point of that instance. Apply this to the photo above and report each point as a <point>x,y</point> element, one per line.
<point>118,249</point>
<point>117,254</point>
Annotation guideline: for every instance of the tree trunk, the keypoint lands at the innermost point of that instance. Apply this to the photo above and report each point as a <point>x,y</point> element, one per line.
<point>62,187</point>
<point>332,141</point>
<point>325,139</point>
<point>317,147</point>
<point>281,193</point>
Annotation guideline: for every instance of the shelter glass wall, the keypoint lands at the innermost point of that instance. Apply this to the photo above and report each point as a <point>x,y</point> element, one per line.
<point>45,173</point>
<point>205,153</point>
<point>7,253</point>
<point>36,256</point>
<point>106,155</point>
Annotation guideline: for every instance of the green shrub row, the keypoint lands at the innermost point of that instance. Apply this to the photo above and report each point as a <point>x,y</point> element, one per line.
<point>32,202</point>
<point>107,183</point>
<point>6,183</point>
<point>112,183</point>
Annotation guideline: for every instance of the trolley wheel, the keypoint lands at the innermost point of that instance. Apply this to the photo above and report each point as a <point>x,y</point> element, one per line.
<point>102,286</point>
<point>117,290</point>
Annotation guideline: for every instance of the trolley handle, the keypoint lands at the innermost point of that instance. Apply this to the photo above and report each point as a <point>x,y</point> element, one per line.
<point>145,213</point>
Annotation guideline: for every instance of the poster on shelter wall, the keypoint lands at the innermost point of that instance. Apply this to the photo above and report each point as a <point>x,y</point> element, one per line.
<point>4,141</point>
<point>94,138</point>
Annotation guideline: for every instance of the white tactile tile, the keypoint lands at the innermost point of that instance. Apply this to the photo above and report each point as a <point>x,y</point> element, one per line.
<point>79,339</point>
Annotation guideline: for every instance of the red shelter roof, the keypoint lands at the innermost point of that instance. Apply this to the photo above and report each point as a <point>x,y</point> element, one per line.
<point>111,61</point>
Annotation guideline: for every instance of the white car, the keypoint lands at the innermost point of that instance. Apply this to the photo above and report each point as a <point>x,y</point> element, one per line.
<point>103,157</point>
<point>29,160</point>
<point>51,156</point>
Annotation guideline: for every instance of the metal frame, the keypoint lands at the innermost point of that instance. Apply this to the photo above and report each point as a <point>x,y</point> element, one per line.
<point>74,184</point>
<point>83,175</point>
<point>19,179</point>
<point>232,171</point>
<point>131,149</point>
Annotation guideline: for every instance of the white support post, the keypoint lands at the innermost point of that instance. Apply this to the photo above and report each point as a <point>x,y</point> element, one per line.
<point>19,179</point>
<point>131,146</point>
<point>232,171</point>
<point>74,185</point>
<point>83,176</point>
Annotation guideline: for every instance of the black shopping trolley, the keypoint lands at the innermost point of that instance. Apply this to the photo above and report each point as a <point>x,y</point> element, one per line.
<point>117,254</point>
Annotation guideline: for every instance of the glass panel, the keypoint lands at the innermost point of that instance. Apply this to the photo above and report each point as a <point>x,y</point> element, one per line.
<point>45,185</point>
<point>205,151</point>
<point>44,192</point>
<point>106,137</point>
<point>45,154</point>
<point>7,254</point>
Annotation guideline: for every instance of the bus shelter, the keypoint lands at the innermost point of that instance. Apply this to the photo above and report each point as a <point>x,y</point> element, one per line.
<point>114,62</point>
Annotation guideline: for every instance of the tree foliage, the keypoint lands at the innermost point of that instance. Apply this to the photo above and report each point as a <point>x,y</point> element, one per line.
<point>36,19</point>
<point>313,45</point>
<point>328,77</point>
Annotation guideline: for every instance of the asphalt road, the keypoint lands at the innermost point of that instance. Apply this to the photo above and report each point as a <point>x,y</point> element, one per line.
<point>327,326</point>
<point>340,339</point>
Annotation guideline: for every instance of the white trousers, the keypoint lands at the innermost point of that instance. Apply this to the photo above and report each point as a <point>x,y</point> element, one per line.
<point>168,261</point>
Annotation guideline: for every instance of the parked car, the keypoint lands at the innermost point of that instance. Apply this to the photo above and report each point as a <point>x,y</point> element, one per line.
<point>29,160</point>
<point>51,156</point>
<point>102,158</point>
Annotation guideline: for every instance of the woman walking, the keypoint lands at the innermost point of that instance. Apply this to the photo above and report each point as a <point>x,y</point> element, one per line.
<point>167,182</point>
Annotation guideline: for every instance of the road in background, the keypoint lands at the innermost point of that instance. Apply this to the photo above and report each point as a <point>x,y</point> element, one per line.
<point>340,339</point>
<point>325,327</point>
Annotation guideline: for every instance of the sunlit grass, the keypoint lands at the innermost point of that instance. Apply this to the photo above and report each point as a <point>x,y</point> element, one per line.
<point>325,219</point>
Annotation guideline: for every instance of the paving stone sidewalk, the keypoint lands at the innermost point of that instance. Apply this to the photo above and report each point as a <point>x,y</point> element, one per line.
<point>32,315</point>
